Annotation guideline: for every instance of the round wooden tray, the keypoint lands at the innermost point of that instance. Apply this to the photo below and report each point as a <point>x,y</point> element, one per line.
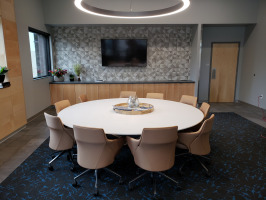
<point>143,108</point>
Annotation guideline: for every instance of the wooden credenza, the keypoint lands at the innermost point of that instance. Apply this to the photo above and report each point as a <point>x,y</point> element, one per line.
<point>173,90</point>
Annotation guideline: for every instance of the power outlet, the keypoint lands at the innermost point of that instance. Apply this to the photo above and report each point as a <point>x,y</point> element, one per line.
<point>261,96</point>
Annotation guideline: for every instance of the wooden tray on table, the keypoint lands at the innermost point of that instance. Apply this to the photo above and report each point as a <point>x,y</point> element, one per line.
<point>144,108</point>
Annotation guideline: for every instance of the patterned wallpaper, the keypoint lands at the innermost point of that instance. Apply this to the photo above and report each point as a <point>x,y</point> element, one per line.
<point>168,53</point>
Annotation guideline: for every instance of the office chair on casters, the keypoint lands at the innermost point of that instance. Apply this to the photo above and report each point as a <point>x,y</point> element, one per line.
<point>61,139</point>
<point>83,98</point>
<point>127,94</point>
<point>60,105</point>
<point>154,152</point>
<point>197,143</point>
<point>95,152</point>
<point>154,95</point>
<point>190,100</point>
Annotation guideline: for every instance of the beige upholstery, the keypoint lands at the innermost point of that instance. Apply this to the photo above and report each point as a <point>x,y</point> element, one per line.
<point>197,142</point>
<point>154,95</point>
<point>126,94</point>
<point>83,98</point>
<point>60,105</point>
<point>95,151</point>
<point>155,150</point>
<point>205,107</point>
<point>61,138</point>
<point>190,100</point>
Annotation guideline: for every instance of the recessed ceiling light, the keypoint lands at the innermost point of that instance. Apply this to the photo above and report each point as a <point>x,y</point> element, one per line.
<point>180,6</point>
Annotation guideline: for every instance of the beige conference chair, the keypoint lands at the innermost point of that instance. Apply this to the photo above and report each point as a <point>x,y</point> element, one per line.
<point>95,151</point>
<point>61,138</point>
<point>127,94</point>
<point>154,151</point>
<point>83,98</point>
<point>197,143</point>
<point>190,100</point>
<point>60,105</point>
<point>154,95</point>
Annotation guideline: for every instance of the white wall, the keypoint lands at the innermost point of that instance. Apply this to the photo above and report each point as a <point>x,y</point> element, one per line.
<point>253,78</point>
<point>200,11</point>
<point>195,59</point>
<point>29,13</point>
<point>218,34</point>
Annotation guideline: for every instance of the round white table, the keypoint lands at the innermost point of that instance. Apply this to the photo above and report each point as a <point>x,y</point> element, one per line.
<point>100,114</point>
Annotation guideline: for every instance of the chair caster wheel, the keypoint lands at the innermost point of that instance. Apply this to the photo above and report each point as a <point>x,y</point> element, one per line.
<point>72,169</point>
<point>130,187</point>
<point>121,181</point>
<point>75,184</point>
<point>96,193</point>
<point>51,168</point>
<point>208,174</point>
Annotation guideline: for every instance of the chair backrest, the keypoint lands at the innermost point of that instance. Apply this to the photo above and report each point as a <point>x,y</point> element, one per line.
<point>60,105</point>
<point>205,107</point>
<point>190,100</point>
<point>94,150</point>
<point>201,145</point>
<point>60,138</point>
<point>156,150</point>
<point>83,98</point>
<point>154,95</point>
<point>126,94</point>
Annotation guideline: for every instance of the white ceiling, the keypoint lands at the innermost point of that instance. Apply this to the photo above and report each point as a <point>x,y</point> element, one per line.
<point>136,5</point>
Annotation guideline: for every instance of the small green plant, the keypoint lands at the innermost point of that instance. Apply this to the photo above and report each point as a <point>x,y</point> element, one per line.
<point>71,76</point>
<point>77,69</point>
<point>3,70</point>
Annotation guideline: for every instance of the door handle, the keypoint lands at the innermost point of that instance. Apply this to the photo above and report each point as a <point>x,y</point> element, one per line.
<point>213,73</point>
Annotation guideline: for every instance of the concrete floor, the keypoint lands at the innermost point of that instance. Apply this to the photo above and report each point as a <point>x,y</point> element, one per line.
<point>17,148</point>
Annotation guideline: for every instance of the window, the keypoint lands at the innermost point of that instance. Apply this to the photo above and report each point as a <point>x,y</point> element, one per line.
<point>40,53</point>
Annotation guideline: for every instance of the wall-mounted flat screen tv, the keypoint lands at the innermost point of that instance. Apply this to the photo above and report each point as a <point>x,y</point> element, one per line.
<point>124,52</point>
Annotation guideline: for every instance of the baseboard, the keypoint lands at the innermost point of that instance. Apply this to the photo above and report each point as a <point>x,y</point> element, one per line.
<point>39,113</point>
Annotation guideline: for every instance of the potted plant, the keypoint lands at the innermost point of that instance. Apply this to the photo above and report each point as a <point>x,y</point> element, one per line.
<point>71,77</point>
<point>3,71</point>
<point>58,74</point>
<point>77,69</point>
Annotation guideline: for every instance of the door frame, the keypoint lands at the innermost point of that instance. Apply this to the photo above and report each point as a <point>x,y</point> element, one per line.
<point>238,42</point>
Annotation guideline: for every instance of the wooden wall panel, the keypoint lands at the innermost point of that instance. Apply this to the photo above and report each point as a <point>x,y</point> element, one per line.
<point>138,88</point>
<point>115,90</point>
<point>69,93</point>
<point>92,91</point>
<point>79,90</point>
<point>56,93</point>
<point>12,103</point>
<point>172,91</point>
<point>103,91</point>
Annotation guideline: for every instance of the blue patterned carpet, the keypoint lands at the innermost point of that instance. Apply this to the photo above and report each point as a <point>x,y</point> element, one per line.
<point>238,171</point>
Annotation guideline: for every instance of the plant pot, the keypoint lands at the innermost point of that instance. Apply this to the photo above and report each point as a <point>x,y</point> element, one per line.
<point>2,78</point>
<point>58,79</point>
<point>79,78</point>
<point>71,79</point>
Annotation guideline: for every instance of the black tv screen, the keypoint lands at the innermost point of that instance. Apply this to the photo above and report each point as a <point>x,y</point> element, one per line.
<point>124,52</point>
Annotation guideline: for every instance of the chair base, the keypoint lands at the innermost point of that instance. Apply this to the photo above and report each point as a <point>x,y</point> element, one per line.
<point>196,157</point>
<point>153,180</point>
<point>96,191</point>
<point>69,157</point>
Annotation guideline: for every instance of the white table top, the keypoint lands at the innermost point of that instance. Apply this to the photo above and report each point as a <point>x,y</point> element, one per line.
<point>100,114</point>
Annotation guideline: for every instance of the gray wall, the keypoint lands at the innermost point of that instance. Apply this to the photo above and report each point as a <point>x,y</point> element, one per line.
<point>254,62</point>
<point>36,92</point>
<point>168,52</point>
<point>218,34</point>
<point>200,11</point>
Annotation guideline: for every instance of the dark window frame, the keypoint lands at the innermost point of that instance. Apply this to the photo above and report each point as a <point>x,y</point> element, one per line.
<point>48,52</point>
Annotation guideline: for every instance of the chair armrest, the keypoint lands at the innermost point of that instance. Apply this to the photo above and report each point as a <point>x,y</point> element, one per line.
<point>133,144</point>
<point>186,138</point>
<point>116,144</point>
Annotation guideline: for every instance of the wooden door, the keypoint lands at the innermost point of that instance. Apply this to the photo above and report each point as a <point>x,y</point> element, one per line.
<point>223,72</point>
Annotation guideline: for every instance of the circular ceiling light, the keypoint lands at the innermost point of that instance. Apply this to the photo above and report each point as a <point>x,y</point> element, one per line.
<point>178,7</point>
